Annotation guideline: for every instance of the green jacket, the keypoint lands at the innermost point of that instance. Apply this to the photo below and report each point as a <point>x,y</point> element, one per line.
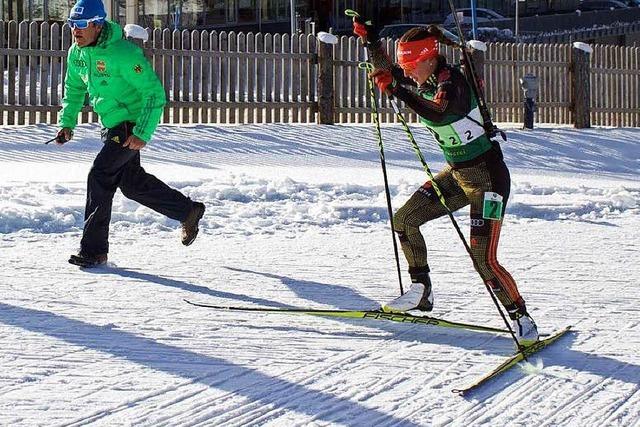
<point>121,84</point>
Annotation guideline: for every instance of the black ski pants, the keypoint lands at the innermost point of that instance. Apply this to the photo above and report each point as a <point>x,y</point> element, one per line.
<point>119,167</point>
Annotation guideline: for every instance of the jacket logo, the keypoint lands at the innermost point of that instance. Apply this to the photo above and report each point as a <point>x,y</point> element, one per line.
<point>138,69</point>
<point>79,63</point>
<point>101,66</point>
<point>116,139</point>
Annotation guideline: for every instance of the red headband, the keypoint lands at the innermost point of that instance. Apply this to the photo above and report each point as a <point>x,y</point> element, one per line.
<point>410,53</point>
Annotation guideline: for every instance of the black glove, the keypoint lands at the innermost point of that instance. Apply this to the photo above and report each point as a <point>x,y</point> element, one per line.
<point>64,135</point>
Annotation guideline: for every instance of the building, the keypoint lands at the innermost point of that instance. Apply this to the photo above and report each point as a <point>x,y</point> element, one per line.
<point>239,15</point>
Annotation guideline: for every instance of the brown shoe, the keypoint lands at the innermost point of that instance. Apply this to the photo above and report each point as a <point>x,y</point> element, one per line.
<point>190,225</point>
<point>88,261</point>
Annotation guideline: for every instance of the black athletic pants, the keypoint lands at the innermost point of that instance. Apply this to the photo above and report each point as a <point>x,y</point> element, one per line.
<point>119,167</point>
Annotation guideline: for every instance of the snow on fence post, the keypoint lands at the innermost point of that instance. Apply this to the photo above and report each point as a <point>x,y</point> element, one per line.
<point>580,81</point>
<point>326,95</point>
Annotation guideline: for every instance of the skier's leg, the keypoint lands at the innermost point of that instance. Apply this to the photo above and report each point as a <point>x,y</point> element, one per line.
<point>423,206</point>
<point>102,183</point>
<point>489,181</point>
<point>487,186</point>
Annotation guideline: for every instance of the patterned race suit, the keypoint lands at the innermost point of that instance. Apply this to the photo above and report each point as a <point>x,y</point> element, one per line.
<point>476,175</point>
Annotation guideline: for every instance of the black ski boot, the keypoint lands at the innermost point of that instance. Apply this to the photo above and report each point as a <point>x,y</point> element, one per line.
<point>421,275</point>
<point>88,261</point>
<point>190,225</point>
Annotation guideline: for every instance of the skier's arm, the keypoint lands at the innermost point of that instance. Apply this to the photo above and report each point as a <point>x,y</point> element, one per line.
<point>140,75</point>
<point>381,60</point>
<point>451,97</point>
<point>377,55</point>
<point>74,93</point>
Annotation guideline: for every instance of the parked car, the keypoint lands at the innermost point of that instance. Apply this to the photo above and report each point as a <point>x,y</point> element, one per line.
<point>589,5</point>
<point>484,17</point>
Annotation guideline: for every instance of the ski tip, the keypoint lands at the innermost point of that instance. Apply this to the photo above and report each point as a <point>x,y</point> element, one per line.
<point>458,392</point>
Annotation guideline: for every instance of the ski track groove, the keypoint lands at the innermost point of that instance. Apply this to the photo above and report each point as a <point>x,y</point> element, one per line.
<point>428,387</point>
<point>575,401</point>
<point>105,412</point>
<point>356,357</point>
<point>254,410</point>
<point>606,407</point>
<point>628,403</point>
<point>190,414</point>
<point>481,411</point>
<point>37,362</point>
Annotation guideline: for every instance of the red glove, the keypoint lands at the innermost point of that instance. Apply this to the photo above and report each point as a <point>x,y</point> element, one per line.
<point>366,30</point>
<point>384,80</point>
<point>360,29</point>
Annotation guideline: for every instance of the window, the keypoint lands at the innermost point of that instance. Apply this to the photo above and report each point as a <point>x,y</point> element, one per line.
<point>59,10</point>
<point>153,13</point>
<point>214,12</point>
<point>247,11</point>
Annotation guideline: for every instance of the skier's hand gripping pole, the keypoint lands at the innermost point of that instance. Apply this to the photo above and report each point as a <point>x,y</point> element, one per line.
<point>63,136</point>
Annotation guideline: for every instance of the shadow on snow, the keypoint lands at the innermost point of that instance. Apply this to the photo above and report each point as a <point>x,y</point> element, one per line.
<point>197,367</point>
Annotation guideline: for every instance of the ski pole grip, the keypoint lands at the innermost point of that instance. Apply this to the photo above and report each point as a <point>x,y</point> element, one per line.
<point>352,13</point>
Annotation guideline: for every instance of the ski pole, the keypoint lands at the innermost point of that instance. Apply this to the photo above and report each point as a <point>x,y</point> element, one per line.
<point>426,168</point>
<point>376,119</point>
<point>472,75</point>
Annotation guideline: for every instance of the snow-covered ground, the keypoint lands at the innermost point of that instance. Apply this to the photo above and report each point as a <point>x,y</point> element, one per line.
<point>296,216</point>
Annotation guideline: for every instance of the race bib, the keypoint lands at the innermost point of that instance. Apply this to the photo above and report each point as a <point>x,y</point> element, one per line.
<point>492,207</point>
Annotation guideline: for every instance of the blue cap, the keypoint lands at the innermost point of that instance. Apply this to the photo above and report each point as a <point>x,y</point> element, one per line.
<point>88,9</point>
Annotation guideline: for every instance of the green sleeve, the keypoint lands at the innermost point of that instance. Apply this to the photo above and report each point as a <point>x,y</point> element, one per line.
<point>139,74</point>
<point>75,91</point>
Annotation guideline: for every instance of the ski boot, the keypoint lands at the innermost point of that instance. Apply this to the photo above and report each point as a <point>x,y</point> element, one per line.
<point>525,328</point>
<point>418,297</point>
<point>88,261</point>
<point>190,225</point>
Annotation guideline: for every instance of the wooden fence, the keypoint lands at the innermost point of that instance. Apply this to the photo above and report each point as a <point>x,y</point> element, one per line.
<point>615,86</point>
<point>212,77</point>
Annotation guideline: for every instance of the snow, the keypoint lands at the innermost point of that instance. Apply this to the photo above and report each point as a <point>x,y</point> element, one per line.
<point>296,216</point>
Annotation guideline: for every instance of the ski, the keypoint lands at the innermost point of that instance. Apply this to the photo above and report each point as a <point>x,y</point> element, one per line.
<point>360,314</point>
<point>512,361</point>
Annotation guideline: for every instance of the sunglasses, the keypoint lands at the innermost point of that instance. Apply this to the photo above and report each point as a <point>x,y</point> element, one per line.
<point>81,23</point>
<point>409,66</point>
